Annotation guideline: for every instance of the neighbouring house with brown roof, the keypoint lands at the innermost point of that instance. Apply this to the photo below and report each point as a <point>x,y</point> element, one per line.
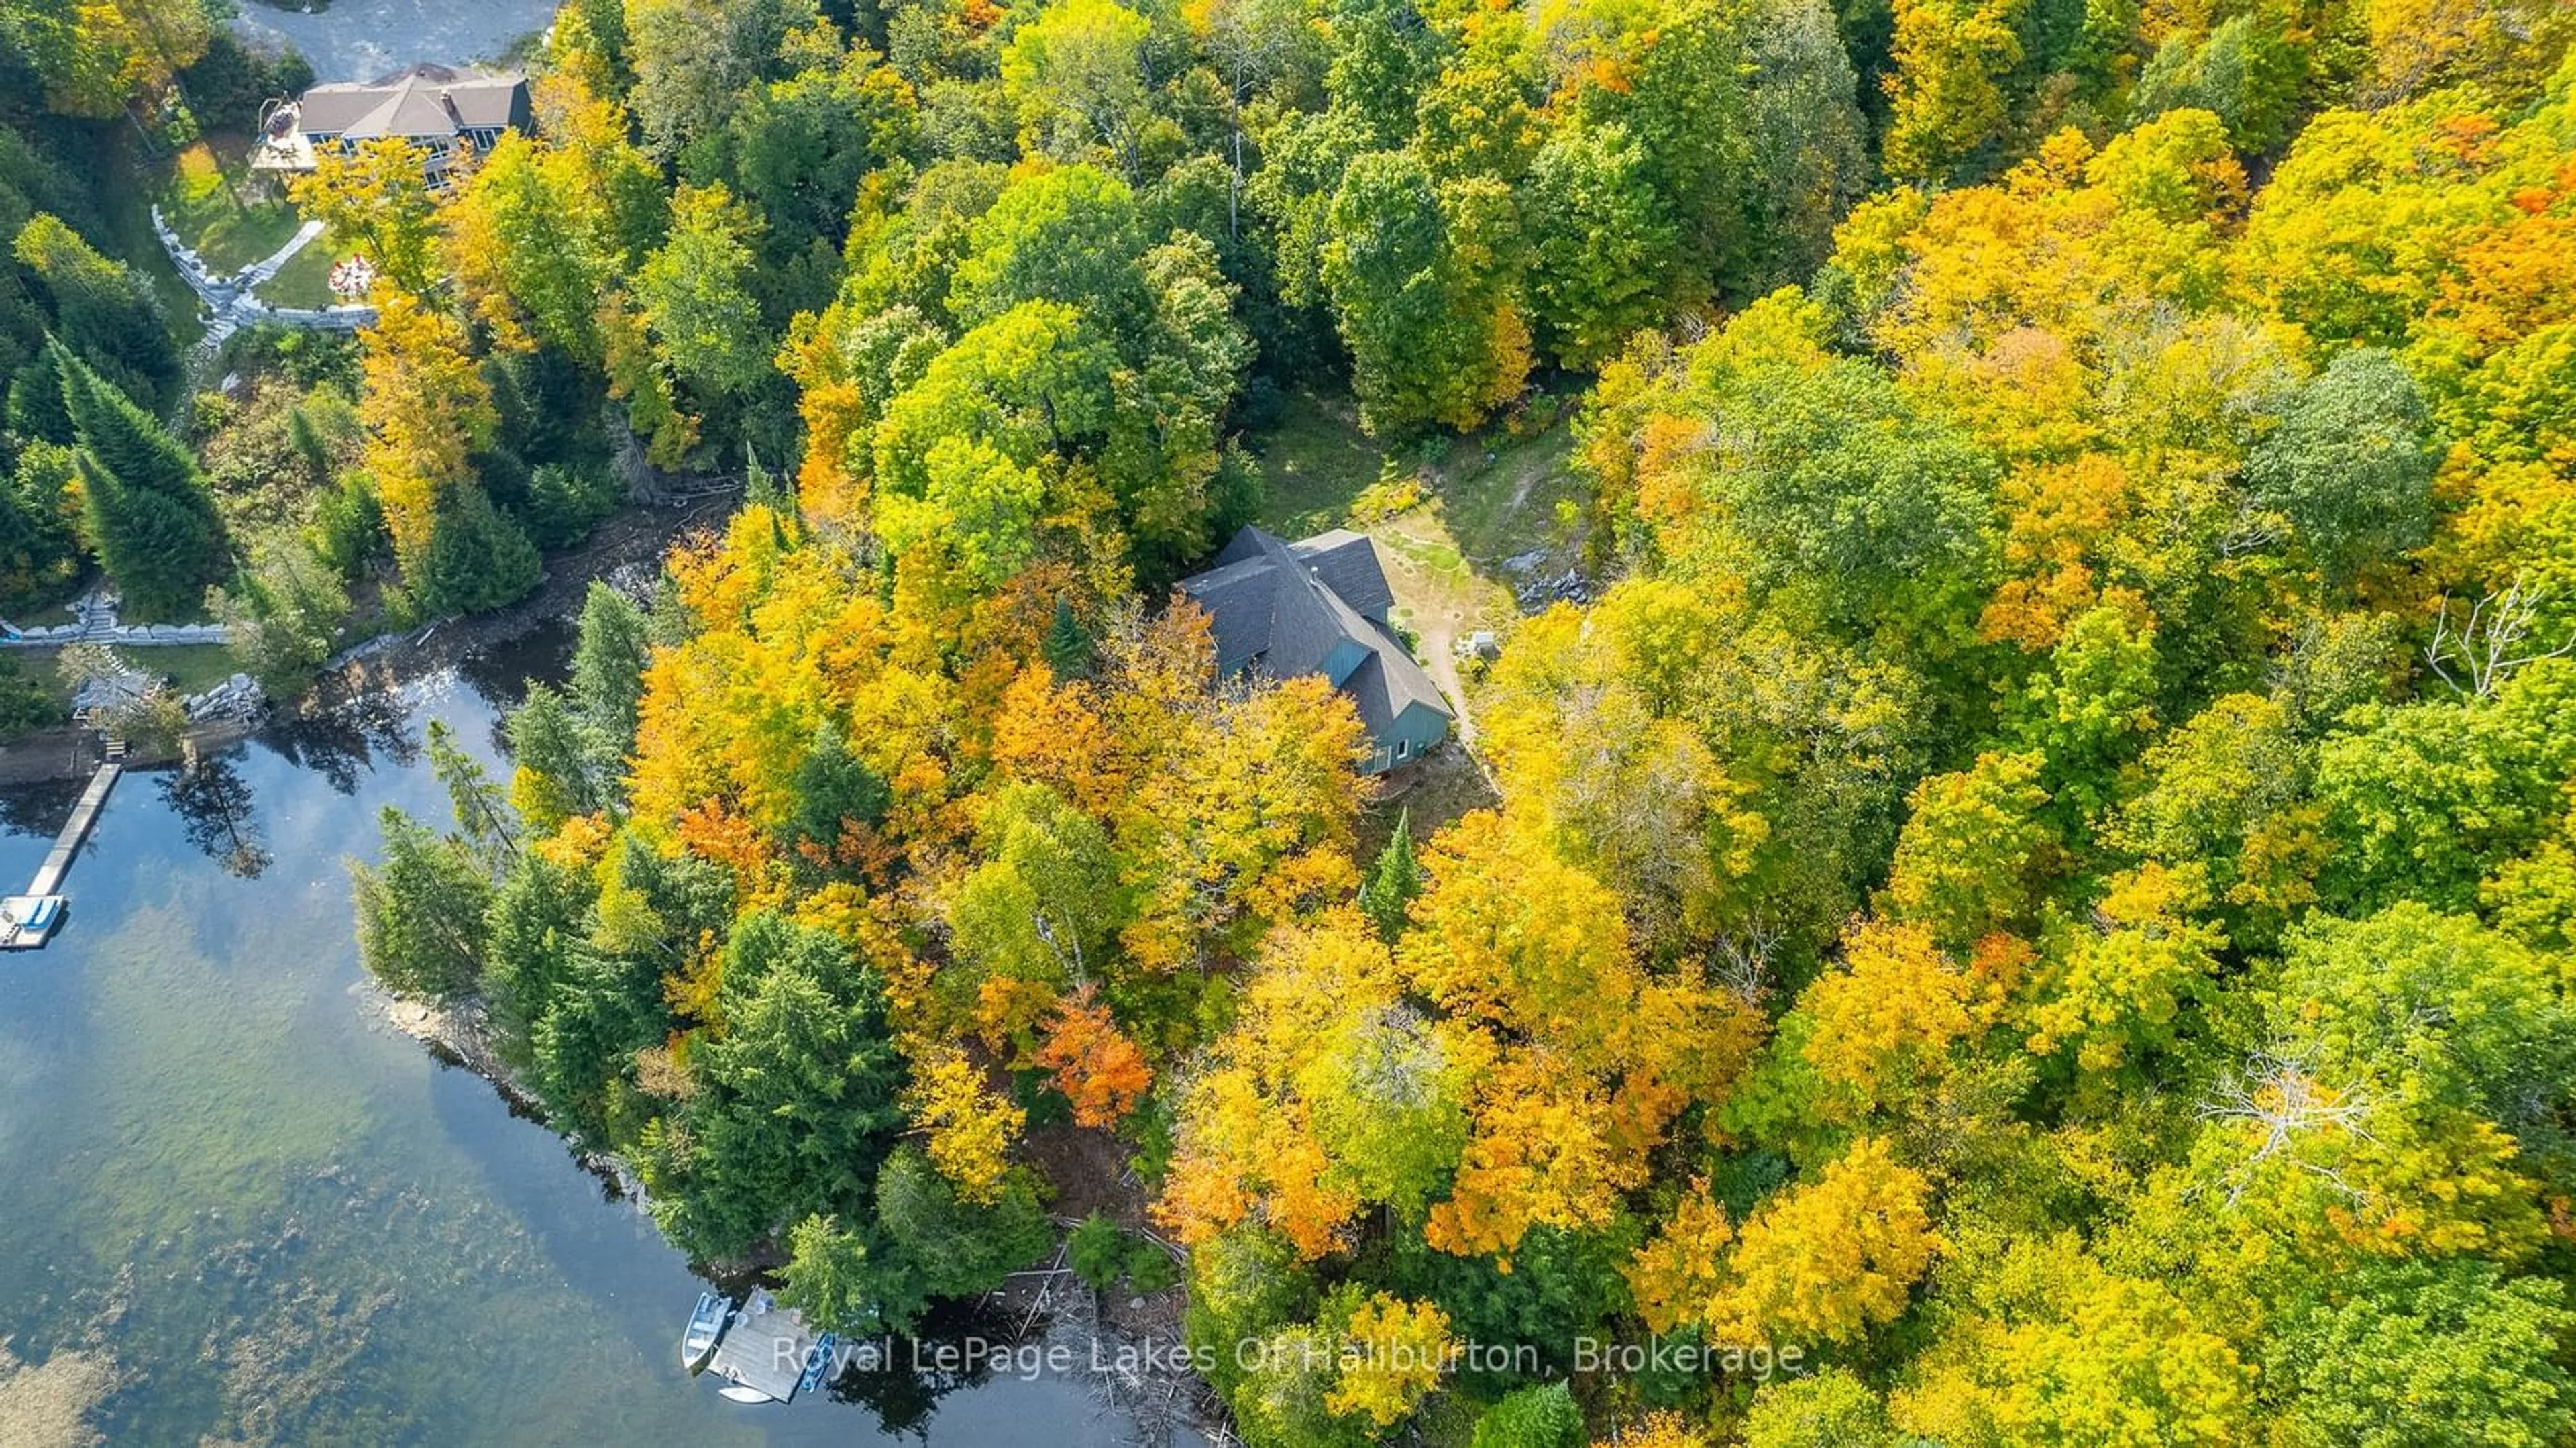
<point>430,106</point>
<point>1320,607</point>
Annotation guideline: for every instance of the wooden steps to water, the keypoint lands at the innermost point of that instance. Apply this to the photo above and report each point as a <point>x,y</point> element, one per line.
<point>27,921</point>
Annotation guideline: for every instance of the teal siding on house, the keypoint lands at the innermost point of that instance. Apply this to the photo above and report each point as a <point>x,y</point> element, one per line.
<point>1415,732</point>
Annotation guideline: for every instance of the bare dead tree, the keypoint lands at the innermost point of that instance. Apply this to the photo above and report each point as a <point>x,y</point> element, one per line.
<point>2277,1094</point>
<point>2492,642</point>
<point>1743,961</point>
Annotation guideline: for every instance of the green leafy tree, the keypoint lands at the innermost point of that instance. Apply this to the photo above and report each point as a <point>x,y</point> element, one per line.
<point>38,550</point>
<point>2428,1352</point>
<point>2350,468</point>
<point>1071,235</point>
<point>798,148</point>
<point>1606,250</point>
<point>1810,156</point>
<point>525,236</point>
<point>1974,848</point>
<point>26,704</point>
<point>1542,1416</point>
<point>697,296</point>
<point>1830,1409</point>
<point>695,61</point>
<point>1077,72</point>
<point>1046,903</point>
<point>1424,287</point>
<point>2423,800</point>
<point>2249,71</point>
<point>2090,712</point>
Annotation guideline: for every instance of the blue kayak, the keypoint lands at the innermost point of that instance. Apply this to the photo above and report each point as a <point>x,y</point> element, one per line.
<point>818,1361</point>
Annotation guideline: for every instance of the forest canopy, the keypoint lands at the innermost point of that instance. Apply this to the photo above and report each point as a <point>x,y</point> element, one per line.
<point>2041,873</point>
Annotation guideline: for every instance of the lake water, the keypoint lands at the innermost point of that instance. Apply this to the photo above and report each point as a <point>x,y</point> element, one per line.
<point>286,1221</point>
<point>363,39</point>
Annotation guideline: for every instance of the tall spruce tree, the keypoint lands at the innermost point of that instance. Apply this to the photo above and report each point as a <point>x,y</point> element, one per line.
<point>1393,881</point>
<point>148,511</point>
<point>1067,644</point>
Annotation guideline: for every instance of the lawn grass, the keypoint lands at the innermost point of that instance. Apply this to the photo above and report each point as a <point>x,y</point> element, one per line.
<point>129,222</point>
<point>194,668</point>
<point>1501,493</point>
<point>305,280</point>
<point>48,615</point>
<point>1498,493</point>
<point>190,668</point>
<point>1314,463</point>
<point>201,199</point>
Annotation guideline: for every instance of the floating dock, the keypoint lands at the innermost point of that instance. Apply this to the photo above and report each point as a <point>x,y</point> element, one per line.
<point>27,921</point>
<point>765,1349</point>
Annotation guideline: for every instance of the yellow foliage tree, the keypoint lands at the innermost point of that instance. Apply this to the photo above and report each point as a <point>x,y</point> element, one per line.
<point>1393,1353</point>
<point>971,1126</point>
<point>426,410</point>
<point>1829,1258</point>
<point>1888,1017</point>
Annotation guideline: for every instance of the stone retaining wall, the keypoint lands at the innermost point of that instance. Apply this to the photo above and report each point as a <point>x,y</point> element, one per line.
<point>132,635</point>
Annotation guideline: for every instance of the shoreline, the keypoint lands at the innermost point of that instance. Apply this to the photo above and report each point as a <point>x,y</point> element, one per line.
<point>65,752</point>
<point>1135,1361</point>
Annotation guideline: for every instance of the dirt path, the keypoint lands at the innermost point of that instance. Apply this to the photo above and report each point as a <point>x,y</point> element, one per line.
<point>1438,599</point>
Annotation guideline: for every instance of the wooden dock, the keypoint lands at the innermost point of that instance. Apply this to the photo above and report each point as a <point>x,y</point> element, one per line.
<point>28,921</point>
<point>765,1349</point>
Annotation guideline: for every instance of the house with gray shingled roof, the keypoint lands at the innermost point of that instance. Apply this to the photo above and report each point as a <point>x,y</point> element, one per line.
<point>432,106</point>
<point>1319,607</point>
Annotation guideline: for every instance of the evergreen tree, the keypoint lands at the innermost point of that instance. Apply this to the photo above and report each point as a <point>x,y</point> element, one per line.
<point>477,559</point>
<point>608,671</point>
<point>1068,645</point>
<point>148,511</point>
<point>555,778</point>
<point>1394,881</point>
<point>421,928</point>
<point>482,808</point>
<point>283,609</point>
<point>834,788</point>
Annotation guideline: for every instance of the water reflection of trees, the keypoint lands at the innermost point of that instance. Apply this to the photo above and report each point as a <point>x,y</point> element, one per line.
<point>39,809</point>
<point>214,804</point>
<point>343,742</point>
<point>882,1376</point>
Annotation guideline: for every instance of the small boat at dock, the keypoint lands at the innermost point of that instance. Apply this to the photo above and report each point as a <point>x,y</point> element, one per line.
<point>705,1330</point>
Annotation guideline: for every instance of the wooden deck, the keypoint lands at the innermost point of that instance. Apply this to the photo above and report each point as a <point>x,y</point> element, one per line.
<point>764,1349</point>
<point>48,884</point>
